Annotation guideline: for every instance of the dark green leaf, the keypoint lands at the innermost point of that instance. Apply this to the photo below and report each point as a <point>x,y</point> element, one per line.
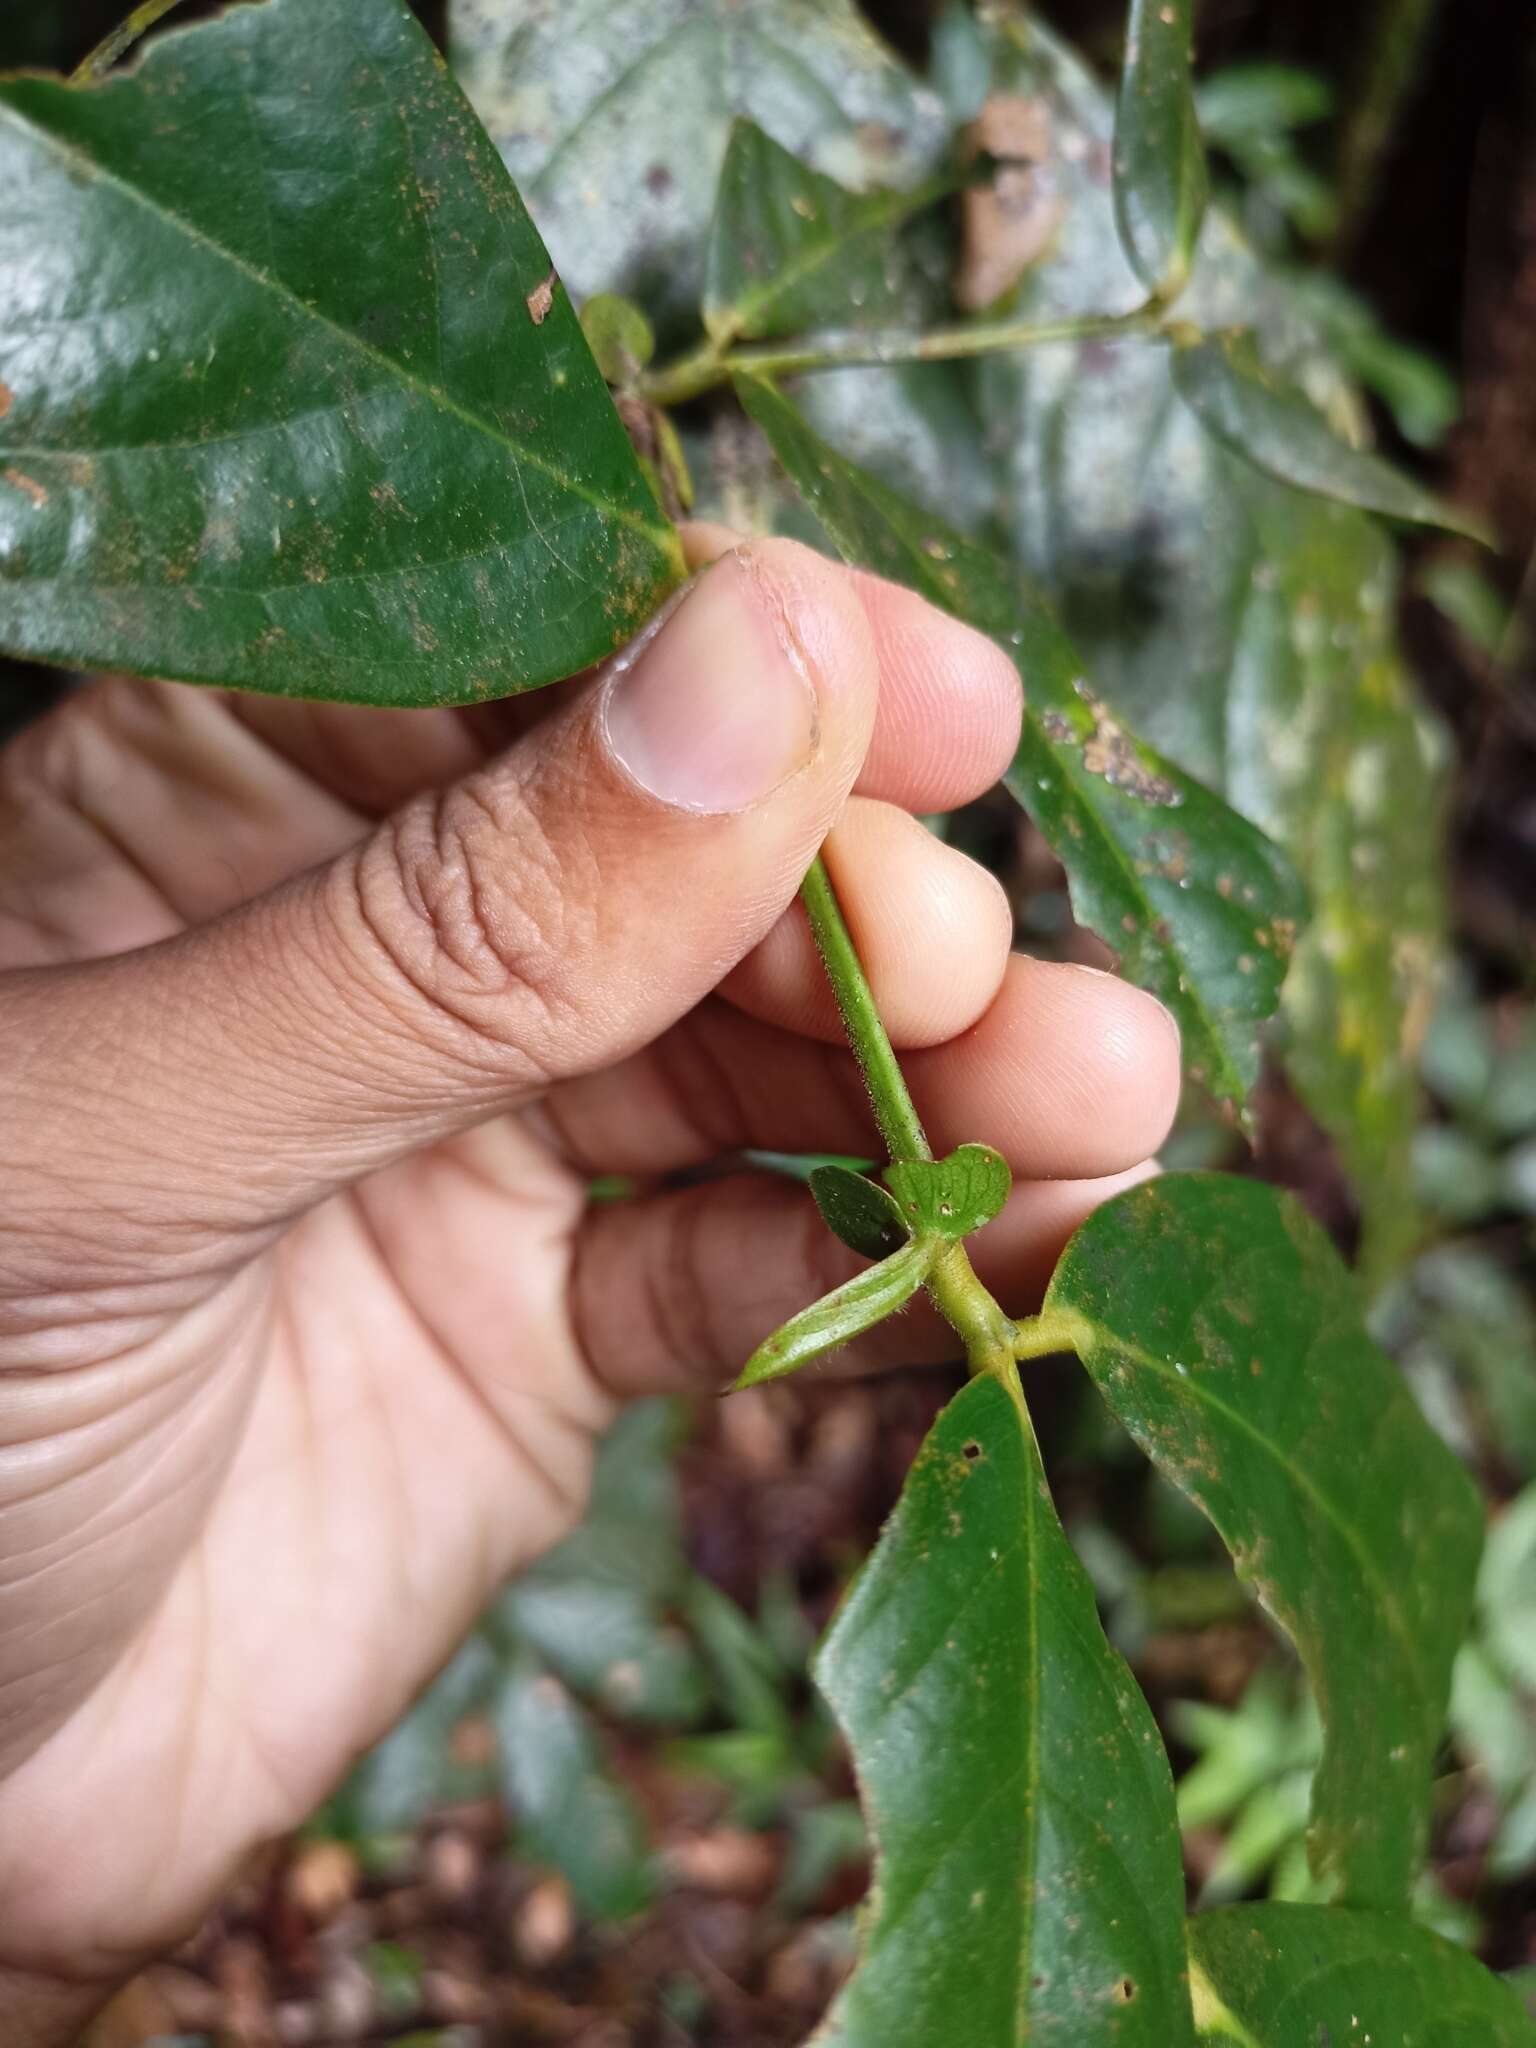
<point>954,1196</point>
<point>1026,1884</point>
<point>859,1212</point>
<point>1222,1329</point>
<point>868,1298</point>
<point>1278,1976</point>
<point>571,1812</point>
<point>790,250</point>
<point>597,1608</point>
<point>620,337</point>
<point>613,117</point>
<point>307,412</point>
<point>1201,908</point>
<point>1253,412</point>
<point>1160,177</point>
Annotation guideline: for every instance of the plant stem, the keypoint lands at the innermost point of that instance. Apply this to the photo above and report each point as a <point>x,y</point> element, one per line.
<point>1055,1330</point>
<point>988,1335</point>
<point>710,364</point>
<point>898,1119</point>
<point>121,40</point>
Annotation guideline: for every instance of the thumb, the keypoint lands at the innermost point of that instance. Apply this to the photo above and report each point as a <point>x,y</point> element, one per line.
<point>541,919</point>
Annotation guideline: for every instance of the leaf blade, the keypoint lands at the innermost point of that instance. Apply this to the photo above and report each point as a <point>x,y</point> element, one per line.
<point>1284,1976</point>
<point>256,461</point>
<point>1160,180</point>
<point>868,1298</point>
<point>1222,1330</point>
<point>1039,1922</point>
<point>1256,415</point>
<point>858,1211</point>
<point>1202,908</point>
<point>951,1197</point>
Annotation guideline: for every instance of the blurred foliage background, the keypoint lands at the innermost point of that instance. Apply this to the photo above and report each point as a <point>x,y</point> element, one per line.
<point>620,1819</point>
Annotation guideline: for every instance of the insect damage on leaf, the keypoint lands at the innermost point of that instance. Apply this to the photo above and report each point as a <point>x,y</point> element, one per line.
<point>540,299</point>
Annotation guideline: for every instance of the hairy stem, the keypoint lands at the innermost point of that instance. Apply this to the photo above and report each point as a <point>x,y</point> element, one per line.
<point>988,1335</point>
<point>711,364</point>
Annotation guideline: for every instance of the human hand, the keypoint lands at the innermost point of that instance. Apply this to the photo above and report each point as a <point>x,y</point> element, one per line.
<point>316,1023</point>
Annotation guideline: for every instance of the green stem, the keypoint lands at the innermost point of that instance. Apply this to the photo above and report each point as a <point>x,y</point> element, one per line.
<point>121,40</point>
<point>711,364</point>
<point>988,1335</point>
<point>898,1119</point>
<point>1060,1329</point>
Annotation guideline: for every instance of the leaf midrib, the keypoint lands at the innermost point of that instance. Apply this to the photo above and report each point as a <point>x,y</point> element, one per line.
<point>398,372</point>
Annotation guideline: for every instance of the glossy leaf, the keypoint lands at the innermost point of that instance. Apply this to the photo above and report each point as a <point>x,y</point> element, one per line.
<point>613,116</point>
<point>1026,1885</point>
<point>571,1813</point>
<point>951,1197</point>
<point>790,250</point>
<point>1257,415</point>
<point>309,412</point>
<point>1244,629</point>
<point>847,1312</point>
<point>1222,1329</point>
<point>859,1212</point>
<point>1276,1976</point>
<point>1201,908</point>
<point>1161,184</point>
<point>599,1607</point>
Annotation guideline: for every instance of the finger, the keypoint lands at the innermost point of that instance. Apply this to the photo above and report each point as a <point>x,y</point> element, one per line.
<point>673,1293</point>
<point>541,918</point>
<point>1071,1073</point>
<point>950,700</point>
<point>932,929</point>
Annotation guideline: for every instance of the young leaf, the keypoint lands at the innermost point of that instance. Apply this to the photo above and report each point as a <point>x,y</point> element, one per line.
<point>1254,413</point>
<point>1200,906</point>
<point>571,1813</point>
<point>1223,1330</point>
<point>868,1298</point>
<point>859,1212</point>
<point>1027,1884</point>
<point>620,337</point>
<point>1160,177</point>
<point>308,413</point>
<point>791,250</point>
<point>954,1196</point>
<point>1277,1976</point>
<point>613,117</point>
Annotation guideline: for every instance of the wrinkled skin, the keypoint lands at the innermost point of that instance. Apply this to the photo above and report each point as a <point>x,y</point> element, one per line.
<point>316,1022</point>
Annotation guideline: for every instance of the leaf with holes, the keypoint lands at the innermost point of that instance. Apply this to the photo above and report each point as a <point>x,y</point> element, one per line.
<point>1223,1330</point>
<point>1200,906</point>
<point>847,1312</point>
<point>1027,1856</point>
<point>951,1197</point>
<point>309,412</point>
<point>1256,414</point>
<point>1160,181</point>
<point>1278,1976</point>
<point>859,1212</point>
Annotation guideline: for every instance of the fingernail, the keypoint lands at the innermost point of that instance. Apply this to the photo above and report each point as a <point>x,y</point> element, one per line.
<point>716,708</point>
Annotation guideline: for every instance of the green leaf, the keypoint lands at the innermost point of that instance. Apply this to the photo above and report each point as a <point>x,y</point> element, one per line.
<point>790,250</point>
<point>598,1608</point>
<point>308,412</point>
<point>1246,102</point>
<point>847,1312</point>
<point>1161,184</point>
<point>1258,415</point>
<point>951,1197</point>
<point>1278,1976</point>
<point>1027,1884</point>
<point>1224,1332</point>
<point>620,337</point>
<point>1201,908</point>
<point>613,116</point>
<point>859,1212</point>
<point>571,1813</point>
